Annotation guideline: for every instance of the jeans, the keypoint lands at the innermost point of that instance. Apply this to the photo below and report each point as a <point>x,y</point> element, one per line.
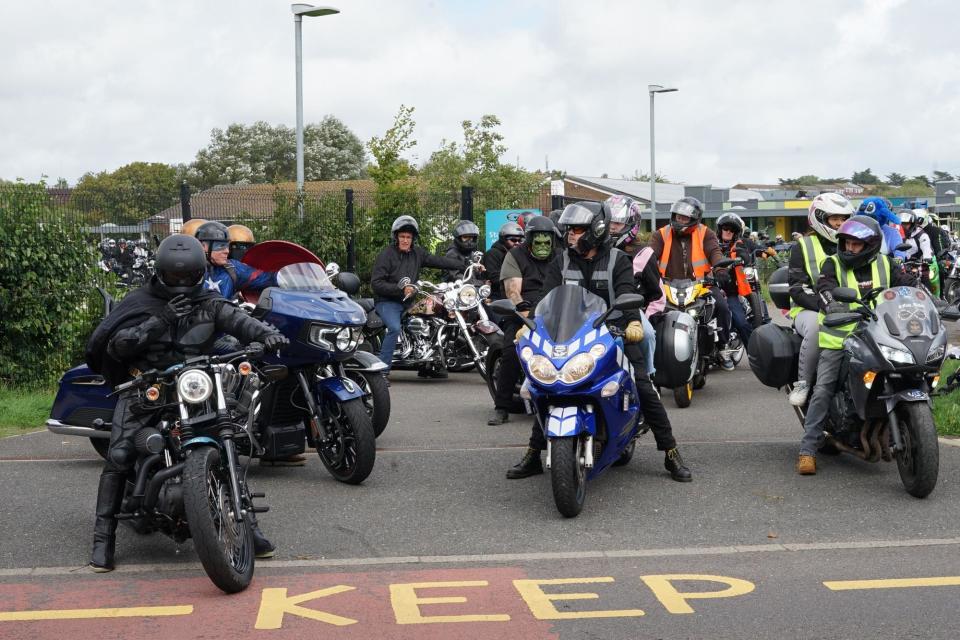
<point>739,319</point>
<point>808,327</point>
<point>390,312</point>
<point>649,344</point>
<point>828,371</point>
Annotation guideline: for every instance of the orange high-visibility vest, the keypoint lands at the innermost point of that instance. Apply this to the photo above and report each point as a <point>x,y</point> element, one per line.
<point>701,266</point>
<point>743,287</point>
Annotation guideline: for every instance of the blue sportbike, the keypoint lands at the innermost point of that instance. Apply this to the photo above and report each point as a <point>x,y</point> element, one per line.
<point>580,386</point>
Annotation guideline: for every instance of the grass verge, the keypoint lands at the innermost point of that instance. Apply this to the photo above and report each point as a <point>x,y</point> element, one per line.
<point>23,410</point>
<point>946,409</point>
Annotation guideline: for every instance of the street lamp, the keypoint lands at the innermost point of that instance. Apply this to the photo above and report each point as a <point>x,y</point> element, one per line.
<point>300,10</point>
<point>653,89</point>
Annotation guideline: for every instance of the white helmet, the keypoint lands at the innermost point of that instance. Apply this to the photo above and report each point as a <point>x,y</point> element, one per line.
<point>824,206</point>
<point>923,218</point>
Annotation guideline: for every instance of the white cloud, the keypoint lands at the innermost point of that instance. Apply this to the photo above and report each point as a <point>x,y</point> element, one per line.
<point>767,89</point>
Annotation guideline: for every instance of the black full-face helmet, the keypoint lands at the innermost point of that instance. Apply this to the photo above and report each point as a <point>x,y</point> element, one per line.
<point>593,215</point>
<point>864,229</point>
<point>180,264</point>
<point>465,236</point>
<point>690,207</point>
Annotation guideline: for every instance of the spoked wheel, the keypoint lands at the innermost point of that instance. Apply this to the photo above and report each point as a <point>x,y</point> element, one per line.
<point>376,398</point>
<point>350,454</point>
<point>568,475</point>
<point>919,461</point>
<point>224,545</point>
<point>683,395</point>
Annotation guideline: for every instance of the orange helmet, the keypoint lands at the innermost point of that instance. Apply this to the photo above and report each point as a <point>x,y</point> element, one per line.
<point>190,227</point>
<point>240,233</point>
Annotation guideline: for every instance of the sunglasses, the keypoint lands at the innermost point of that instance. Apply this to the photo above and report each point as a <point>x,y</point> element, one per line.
<point>578,229</point>
<point>515,240</point>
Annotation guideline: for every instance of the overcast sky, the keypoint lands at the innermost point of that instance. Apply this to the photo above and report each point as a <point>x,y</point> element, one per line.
<point>768,88</point>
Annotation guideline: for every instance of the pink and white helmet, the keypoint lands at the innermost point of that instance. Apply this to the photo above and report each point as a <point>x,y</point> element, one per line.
<point>822,207</point>
<point>627,212</point>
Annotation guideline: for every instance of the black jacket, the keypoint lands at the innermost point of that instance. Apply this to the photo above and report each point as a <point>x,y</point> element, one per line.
<point>492,261</point>
<point>622,278</point>
<point>829,281</point>
<point>463,259</point>
<point>802,290</point>
<point>392,265</point>
<point>135,336</point>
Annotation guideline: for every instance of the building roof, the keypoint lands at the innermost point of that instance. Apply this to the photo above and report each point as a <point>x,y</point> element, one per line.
<point>667,192</point>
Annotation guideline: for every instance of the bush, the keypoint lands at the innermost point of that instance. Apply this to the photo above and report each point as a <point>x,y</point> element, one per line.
<point>47,274</point>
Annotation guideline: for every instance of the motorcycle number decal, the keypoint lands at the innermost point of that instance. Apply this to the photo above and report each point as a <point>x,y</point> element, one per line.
<point>914,393</point>
<point>559,351</point>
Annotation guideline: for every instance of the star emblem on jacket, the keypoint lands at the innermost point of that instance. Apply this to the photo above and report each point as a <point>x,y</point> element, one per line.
<point>212,285</point>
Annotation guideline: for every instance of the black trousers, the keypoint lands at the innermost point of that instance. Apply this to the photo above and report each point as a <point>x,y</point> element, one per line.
<point>510,369</point>
<point>654,413</point>
<point>122,453</point>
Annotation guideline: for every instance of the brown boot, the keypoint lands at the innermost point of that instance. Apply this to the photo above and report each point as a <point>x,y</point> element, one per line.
<point>806,465</point>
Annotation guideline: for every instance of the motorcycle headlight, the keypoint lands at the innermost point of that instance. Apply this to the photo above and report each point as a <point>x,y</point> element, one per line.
<point>468,295</point>
<point>577,368</point>
<point>347,339</point>
<point>896,355</point>
<point>936,354</point>
<point>693,312</point>
<point>542,369</point>
<point>485,291</point>
<point>194,386</point>
<point>320,336</point>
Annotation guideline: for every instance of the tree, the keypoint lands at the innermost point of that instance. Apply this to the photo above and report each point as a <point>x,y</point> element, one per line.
<point>128,195</point>
<point>641,176</point>
<point>864,177</point>
<point>262,153</point>
<point>396,192</point>
<point>896,179</point>
<point>805,180</point>
<point>920,179</point>
<point>942,176</point>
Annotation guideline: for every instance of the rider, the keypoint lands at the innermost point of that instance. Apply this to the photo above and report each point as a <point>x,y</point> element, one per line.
<point>402,259</point>
<point>919,242</point>
<point>510,236</point>
<point>160,324</point>
<point>696,249</point>
<point>522,275</point>
<point>590,262</point>
<point>859,265</point>
<point>879,209</point>
<point>466,236</point>
<point>624,223</point>
<point>241,239</point>
<point>226,276</point>
<point>730,228</point>
<point>826,213</point>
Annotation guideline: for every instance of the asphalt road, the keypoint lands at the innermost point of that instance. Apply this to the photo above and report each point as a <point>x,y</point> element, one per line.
<point>438,512</point>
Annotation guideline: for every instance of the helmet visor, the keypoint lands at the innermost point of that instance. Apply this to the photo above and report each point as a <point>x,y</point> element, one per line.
<point>181,278</point>
<point>856,230</point>
<point>575,215</point>
<point>684,209</point>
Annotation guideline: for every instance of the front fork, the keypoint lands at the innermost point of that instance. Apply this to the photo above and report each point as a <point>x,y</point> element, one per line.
<point>467,336</point>
<point>320,433</point>
<point>226,436</point>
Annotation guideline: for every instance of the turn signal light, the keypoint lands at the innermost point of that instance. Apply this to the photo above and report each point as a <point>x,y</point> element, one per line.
<point>936,381</point>
<point>868,379</point>
<point>244,368</point>
<point>152,393</point>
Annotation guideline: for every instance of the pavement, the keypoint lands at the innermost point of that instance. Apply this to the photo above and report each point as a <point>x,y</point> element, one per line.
<point>437,542</point>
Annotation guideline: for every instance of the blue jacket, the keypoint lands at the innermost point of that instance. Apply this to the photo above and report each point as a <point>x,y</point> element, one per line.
<point>234,276</point>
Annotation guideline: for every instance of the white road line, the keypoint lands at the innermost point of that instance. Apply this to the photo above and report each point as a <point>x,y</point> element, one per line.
<point>504,557</point>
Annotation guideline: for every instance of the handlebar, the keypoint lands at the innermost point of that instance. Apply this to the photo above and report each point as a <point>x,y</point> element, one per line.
<point>253,351</point>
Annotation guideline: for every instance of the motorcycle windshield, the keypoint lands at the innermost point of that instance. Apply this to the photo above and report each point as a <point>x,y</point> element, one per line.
<point>907,312</point>
<point>565,310</point>
<point>304,276</point>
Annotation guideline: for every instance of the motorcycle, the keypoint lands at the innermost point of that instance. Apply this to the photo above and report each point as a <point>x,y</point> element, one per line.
<point>581,387</point>
<point>882,408</point>
<point>188,481</point>
<point>950,276</point>
<point>688,340</point>
<point>756,311</point>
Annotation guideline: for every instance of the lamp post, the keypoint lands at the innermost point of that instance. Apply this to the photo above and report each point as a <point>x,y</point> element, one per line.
<point>300,10</point>
<point>654,89</point>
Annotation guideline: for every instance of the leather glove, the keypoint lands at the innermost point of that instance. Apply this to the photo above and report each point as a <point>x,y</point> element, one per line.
<point>521,332</point>
<point>176,308</point>
<point>275,341</point>
<point>837,307</point>
<point>634,332</point>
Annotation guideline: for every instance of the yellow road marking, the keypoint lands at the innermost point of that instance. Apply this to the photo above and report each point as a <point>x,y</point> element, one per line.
<point>541,603</point>
<point>83,614</point>
<point>406,603</point>
<point>892,583</point>
<point>275,602</point>
<point>676,602</point>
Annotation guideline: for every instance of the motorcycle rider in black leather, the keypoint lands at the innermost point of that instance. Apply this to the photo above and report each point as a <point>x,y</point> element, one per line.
<point>509,236</point>
<point>587,226</point>
<point>522,275</point>
<point>466,239</point>
<point>160,324</point>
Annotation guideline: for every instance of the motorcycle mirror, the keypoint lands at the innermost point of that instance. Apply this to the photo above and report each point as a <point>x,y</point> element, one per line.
<point>628,301</point>
<point>348,282</point>
<point>844,294</point>
<point>274,372</point>
<point>903,246</point>
<point>332,269</point>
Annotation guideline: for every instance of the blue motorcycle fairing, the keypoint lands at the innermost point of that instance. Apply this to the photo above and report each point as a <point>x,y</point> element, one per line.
<point>82,397</point>
<point>570,421</point>
<point>340,388</point>
<point>293,312</point>
<point>363,361</point>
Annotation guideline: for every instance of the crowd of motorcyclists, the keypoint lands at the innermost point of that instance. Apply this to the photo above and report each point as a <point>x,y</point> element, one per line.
<point>183,307</point>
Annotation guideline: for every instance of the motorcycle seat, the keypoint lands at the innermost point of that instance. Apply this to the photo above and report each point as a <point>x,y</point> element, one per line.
<point>366,304</point>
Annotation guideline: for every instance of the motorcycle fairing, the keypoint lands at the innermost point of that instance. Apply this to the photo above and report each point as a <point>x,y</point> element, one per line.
<point>363,361</point>
<point>570,421</point>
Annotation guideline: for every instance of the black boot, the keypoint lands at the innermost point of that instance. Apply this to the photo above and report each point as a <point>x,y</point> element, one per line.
<point>674,464</point>
<point>109,496</point>
<point>530,465</point>
<point>498,416</point>
<point>262,547</point>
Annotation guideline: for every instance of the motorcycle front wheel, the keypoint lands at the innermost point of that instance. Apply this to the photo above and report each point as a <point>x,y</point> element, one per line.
<point>350,454</point>
<point>919,461</point>
<point>224,545</point>
<point>758,310</point>
<point>568,475</point>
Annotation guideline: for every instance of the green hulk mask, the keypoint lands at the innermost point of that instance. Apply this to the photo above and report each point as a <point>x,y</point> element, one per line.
<point>542,245</point>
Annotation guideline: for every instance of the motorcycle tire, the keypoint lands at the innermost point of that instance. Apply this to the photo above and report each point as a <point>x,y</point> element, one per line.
<point>919,461</point>
<point>758,310</point>
<point>376,399</point>
<point>102,445</point>
<point>952,292</point>
<point>682,396</point>
<point>208,504</point>
<point>351,458</point>
<point>493,367</point>
<point>626,455</point>
<point>568,475</point>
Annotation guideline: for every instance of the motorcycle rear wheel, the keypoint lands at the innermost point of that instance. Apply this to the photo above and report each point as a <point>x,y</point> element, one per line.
<point>568,475</point>
<point>351,457</point>
<point>683,395</point>
<point>224,546</point>
<point>919,462</point>
<point>494,358</point>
